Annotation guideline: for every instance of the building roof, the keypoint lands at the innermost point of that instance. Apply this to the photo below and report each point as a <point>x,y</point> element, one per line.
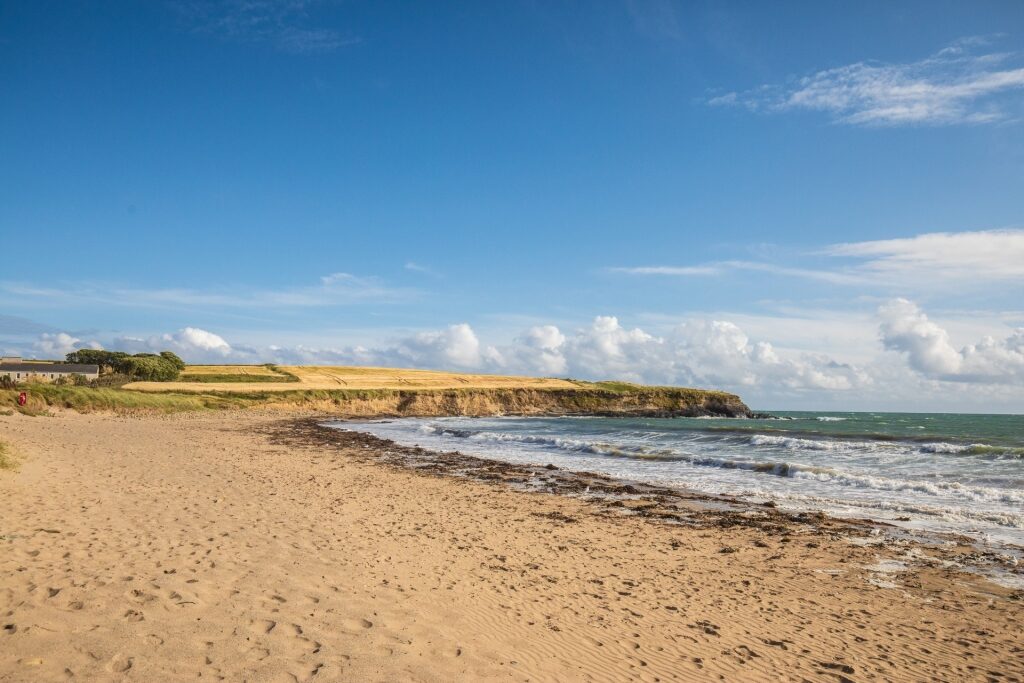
<point>42,368</point>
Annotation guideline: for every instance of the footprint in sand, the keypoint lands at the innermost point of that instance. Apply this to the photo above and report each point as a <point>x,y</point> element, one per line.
<point>120,663</point>
<point>262,625</point>
<point>257,653</point>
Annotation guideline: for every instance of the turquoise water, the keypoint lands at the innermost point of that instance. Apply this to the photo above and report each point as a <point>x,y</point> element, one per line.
<point>938,472</point>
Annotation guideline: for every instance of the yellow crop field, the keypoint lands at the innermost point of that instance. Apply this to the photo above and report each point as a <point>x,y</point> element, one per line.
<point>231,378</point>
<point>260,370</point>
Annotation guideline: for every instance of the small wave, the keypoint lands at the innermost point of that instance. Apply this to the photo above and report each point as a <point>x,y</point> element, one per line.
<point>909,446</point>
<point>954,514</point>
<point>779,469</point>
<point>829,418</point>
<point>796,443</point>
<point>572,445</point>
<point>945,489</point>
<point>949,447</point>
<point>982,449</point>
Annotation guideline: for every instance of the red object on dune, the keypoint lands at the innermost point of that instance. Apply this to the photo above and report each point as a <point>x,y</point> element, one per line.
<point>22,398</point>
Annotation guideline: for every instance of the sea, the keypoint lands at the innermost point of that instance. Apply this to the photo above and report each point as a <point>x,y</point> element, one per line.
<point>943,473</point>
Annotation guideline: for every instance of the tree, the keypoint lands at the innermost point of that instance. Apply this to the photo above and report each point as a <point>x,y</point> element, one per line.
<point>107,360</point>
<point>150,367</point>
<point>142,366</point>
<point>174,359</point>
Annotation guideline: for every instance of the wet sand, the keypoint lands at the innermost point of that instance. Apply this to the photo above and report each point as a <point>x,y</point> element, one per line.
<point>244,546</point>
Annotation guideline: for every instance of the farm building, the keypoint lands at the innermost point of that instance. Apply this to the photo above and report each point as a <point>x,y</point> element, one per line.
<point>21,371</point>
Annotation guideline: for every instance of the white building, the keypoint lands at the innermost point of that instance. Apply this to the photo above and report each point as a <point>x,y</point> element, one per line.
<point>21,371</point>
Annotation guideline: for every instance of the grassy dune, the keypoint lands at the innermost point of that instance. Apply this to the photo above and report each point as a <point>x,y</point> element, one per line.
<point>7,461</point>
<point>42,397</point>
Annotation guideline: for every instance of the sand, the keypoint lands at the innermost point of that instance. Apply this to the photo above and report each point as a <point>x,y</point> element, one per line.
<point>228,546</point>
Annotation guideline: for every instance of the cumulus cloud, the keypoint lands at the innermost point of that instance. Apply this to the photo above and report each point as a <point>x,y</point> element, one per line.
<point>950,87</point>
<point>929,350</point>
<point>539,350</point>
<point>191,343</point>
<point>696,352</point>
<point>59,344</point>
<point>456,346</point>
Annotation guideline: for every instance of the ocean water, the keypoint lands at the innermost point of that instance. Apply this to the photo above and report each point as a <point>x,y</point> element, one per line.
<point>945,472</point>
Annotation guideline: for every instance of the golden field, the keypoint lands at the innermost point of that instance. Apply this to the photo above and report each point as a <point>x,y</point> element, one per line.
<point>233,379</point>
<point>257,370</point>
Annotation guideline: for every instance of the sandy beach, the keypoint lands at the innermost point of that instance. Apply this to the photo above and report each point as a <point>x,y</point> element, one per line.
<point>242,546</point>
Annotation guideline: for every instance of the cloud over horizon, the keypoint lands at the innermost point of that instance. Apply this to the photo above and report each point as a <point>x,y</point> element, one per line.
<point>928,349</point>
<point>911,352</point>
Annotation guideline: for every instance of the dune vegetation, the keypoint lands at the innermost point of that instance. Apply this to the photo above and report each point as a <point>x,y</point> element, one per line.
<point>370,392</point>
<point>7,459</point>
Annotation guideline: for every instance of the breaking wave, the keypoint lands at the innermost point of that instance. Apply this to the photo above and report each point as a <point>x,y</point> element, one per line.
<point>836,476</point>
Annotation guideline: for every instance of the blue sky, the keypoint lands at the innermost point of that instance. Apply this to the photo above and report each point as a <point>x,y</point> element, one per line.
<point>445,184</point>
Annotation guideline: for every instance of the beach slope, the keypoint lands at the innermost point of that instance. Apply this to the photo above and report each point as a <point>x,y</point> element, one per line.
<point>216,546</point>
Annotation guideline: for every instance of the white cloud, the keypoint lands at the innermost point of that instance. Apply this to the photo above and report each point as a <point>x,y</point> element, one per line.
<point>281,23</point>
<point>418,268</point>
<point>983,254</point>
<point>59,344</point>
<point>194,345</point>
<point>191,338</point>
<point>937,260</point>
<point>929,350</point>
<point>696,352</point>
<point>949,87</point>
<point>336,289</point>
<point>669,270</point>
<point>693,351</point>
<point>456,346</point>
<point>538,350</point>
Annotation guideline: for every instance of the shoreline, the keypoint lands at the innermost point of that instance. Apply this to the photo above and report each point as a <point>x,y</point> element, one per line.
<point>667,504</point>
<point>256,546</point>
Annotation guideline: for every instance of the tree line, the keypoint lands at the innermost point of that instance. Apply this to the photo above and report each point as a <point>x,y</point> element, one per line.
<point>162,367</point>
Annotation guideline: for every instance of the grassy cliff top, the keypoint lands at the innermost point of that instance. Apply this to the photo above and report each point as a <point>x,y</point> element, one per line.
<point>262,379</point>
<point>365,390</point>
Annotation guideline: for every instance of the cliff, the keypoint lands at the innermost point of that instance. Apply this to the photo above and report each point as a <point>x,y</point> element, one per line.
<point>604,399</point>
<point>641,401</point>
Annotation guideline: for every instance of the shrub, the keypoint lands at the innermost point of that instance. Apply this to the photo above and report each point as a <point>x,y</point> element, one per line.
<point>72,380</point>
<point>150,367</point>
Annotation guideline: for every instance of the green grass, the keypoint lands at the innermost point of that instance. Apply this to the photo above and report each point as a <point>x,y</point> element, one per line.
<point>41,397</point>
<point>588,396</point>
